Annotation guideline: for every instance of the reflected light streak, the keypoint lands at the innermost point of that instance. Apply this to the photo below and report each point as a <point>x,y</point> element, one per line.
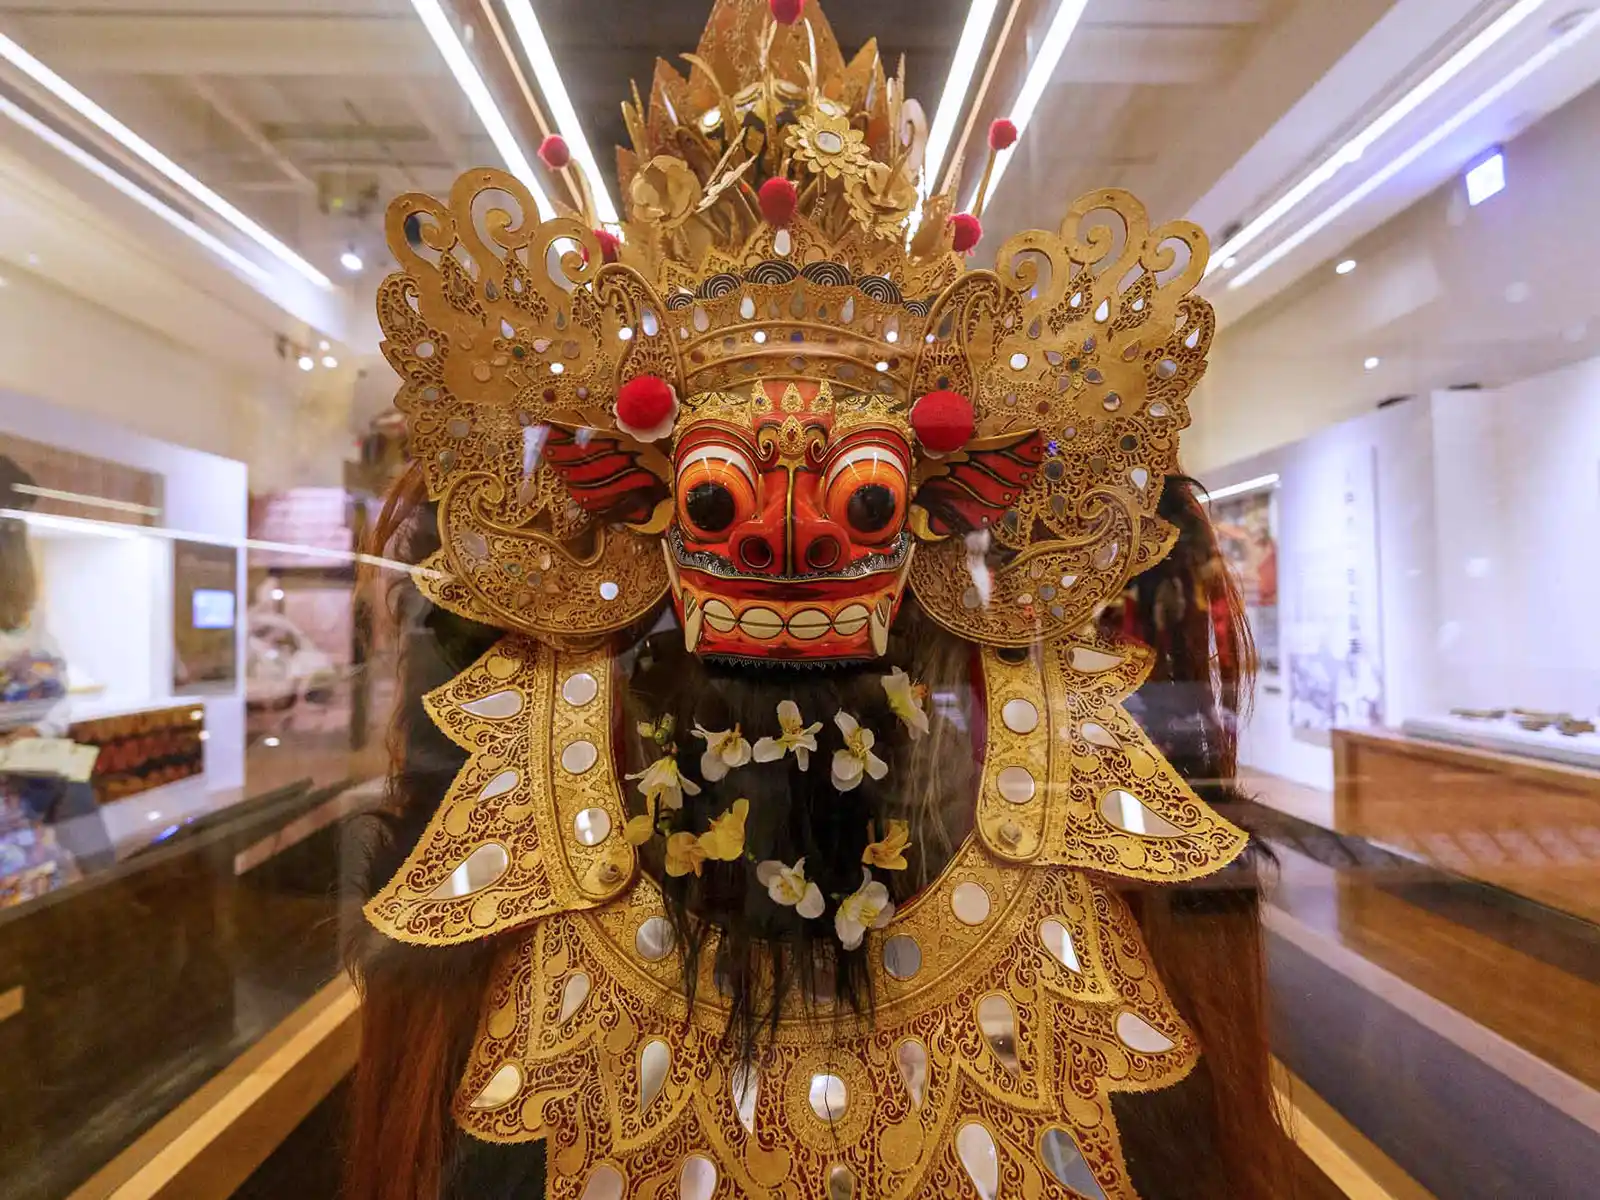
<point>1352,150</point>
<point>548,74</point>
<point>113,529</point>
<point>106,123</point>
<point>146,200</point>
<point>478,95</point>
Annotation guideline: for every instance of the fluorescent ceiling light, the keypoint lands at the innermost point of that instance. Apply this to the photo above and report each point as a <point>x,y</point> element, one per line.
<point>555,93</point>
<point>471,83</point>
<point>92,112</point>
<point>1352,150</point>
<point>1259,483</point>
<point>1040,71</point>
<point>1486,179</point>
<point>1501,87</point>
<point>954,97</point>
<point>134,192</point>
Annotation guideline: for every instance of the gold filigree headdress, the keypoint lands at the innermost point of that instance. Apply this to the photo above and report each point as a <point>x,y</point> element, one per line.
<point>503,327</point>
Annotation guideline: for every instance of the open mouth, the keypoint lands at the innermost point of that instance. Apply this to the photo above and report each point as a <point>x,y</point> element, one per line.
<point>808,617</point>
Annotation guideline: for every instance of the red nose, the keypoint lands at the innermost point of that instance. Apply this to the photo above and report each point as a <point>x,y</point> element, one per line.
<point>789,534</point>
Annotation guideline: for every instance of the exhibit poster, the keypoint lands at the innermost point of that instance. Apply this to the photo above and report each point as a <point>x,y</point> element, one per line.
<point>1333,633</point>
<point>1247,533</point>
<point>205,589</point>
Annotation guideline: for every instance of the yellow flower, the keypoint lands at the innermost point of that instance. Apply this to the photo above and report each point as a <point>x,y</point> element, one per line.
<point>906,698</point>
<point>664,191</point>
<point>857,758</point>
<point>828,145</point>
<point>890,853</point>
<point>724,841</point>
<point>795,735</point>
<point>640,829</point>
<point>868,907</point>
<point>662,783</point>
<point>684,854</point>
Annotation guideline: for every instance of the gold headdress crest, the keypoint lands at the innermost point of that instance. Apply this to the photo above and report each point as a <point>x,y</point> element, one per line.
<point>504,326</point>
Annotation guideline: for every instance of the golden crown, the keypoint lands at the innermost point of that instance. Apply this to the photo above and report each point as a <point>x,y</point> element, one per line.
<point>771,235</point>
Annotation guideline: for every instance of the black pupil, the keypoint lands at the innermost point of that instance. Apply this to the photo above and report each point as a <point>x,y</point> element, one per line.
<point>710,507</point>
<point>871,507</point>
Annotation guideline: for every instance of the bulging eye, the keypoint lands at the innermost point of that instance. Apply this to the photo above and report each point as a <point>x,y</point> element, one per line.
<point>867,491</point>
<point>716,488</point>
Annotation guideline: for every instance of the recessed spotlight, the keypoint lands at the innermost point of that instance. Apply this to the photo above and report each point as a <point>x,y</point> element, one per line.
<point>323,345</point>
<point>329,361</point>
<point>351,261</point>
<point>277,593</point>
<point>270,741</point>
<point>306,362</point>
<point>1372,363</point>
<point>1346,266</point>
<point>1486,179</point>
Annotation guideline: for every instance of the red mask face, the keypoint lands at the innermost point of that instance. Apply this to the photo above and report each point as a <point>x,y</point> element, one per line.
<point>789,538</point>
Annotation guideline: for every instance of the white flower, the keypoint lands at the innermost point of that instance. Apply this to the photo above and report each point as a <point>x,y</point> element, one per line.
<point>905,698</point>
<point>857,757</point>
<point>868,907</point>
<point>724,751</point>
<point>790,887</point>
<point>662,782</point>
<point>796,735</point>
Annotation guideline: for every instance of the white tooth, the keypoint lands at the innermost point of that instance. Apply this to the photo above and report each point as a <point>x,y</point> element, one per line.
<point>880,627</point>
<point>672,566</point>
<point>693,616</point>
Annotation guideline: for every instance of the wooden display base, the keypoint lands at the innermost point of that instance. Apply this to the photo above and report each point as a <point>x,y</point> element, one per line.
<point>1530,827</point>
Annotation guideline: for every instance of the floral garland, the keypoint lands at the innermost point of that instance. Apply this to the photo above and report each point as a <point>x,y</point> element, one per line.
<point>664,786</point>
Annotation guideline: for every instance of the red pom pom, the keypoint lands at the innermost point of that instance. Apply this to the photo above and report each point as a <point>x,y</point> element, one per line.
<point>778,198</point>
<point>555,152</point>
<point>786,12</point>
<point>644,402</point>
<point>965,232</point>
<point>610,245</point>
<point>943,421</point>
<point>1002,134</point>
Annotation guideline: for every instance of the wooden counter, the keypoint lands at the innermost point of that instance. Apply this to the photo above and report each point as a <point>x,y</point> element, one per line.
<point>1528,826</point>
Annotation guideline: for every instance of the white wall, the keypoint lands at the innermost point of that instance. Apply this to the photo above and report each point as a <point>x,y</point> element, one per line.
<point>1518,554</point>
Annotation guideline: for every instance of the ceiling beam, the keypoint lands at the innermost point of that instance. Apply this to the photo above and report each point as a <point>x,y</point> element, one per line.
<point>1182,12</point>
<point>77,44</point>
<point>1152,55</point>
<point>247,129</point>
